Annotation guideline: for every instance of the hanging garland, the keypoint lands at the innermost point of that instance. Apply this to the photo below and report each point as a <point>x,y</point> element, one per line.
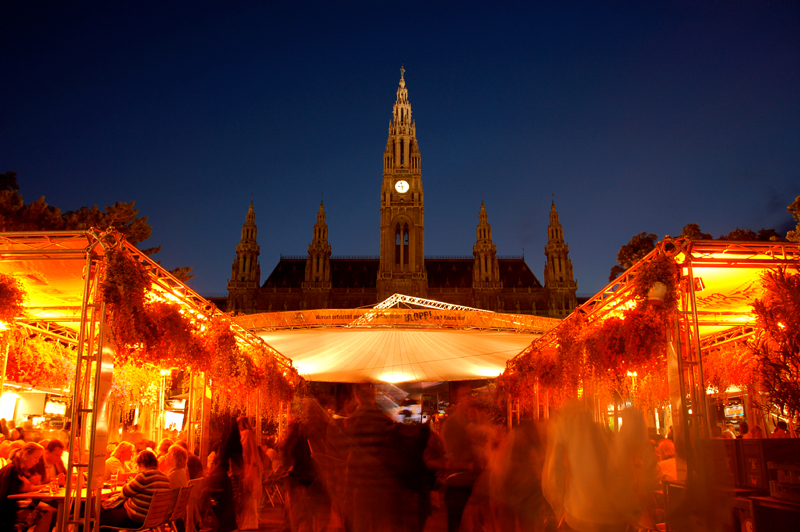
<point>602,357</point>
<point>733,364</point>
<point>777,347</point>
<point>161,333</point>
<point>660,269</point>
<point>38,361</point>
<point>123,289</point>
<point>12,298</point>
<point>135,384</point>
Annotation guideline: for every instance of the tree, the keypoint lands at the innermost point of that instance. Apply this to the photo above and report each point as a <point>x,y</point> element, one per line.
<point>15,215</point>
<point>8,181</point>
<point>639,246</point>
<point>692,232</point>
<point>778,347</point>
<point>744,235</point>
<point>748,235</point>
<point>794,209</point>
<point>183,273</point>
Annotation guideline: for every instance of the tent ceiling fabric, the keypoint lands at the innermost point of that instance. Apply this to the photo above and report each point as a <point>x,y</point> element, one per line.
<point>396,354</point>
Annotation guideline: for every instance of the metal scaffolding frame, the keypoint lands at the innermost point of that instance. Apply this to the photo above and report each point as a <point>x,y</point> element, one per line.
<point>686,341</point>
<point>84,326</point>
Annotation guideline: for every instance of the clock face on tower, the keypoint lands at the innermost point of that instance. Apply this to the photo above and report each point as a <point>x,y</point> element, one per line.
<point>401,187</point>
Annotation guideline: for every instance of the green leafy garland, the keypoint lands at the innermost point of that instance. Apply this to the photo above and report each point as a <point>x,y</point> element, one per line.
<point>155,332</point>
<point>12,298</point>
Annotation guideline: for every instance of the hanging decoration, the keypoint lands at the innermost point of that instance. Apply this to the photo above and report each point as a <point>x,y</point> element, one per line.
<point>12,298</point>
<point>149,330</point>
<point>777,347</point>
<point>39,361</point>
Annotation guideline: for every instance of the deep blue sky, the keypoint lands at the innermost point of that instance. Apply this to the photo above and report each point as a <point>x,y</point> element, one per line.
<point>639,116</point>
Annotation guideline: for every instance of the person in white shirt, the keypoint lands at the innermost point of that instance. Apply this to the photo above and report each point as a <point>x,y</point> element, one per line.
<point>175,460</point>
<point>119,461</point>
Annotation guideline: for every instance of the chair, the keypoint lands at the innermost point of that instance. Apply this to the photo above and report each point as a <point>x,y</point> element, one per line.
<point>272,486</point>
<point>193,515</point>
<point>179,511</point>
<point>157,514</point>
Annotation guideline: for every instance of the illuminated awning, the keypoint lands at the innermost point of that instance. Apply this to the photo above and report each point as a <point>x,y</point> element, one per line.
<point>397,344</point>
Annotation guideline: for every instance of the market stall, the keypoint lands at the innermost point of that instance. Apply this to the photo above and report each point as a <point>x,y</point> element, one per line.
<point>682,322</point>
<point>98,319</point>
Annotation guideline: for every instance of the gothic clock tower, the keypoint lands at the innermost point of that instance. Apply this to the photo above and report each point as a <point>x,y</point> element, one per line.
<point>402,266</point>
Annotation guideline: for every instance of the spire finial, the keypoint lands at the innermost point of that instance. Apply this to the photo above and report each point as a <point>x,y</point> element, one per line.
<point>402,69</point>
<point>553,200</point>
<point>321,198</point>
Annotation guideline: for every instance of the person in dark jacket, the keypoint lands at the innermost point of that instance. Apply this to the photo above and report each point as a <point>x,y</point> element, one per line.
<point>13,480</point>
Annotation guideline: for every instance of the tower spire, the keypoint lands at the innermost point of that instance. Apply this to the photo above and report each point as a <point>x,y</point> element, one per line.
<point>245,271</point>
<point>318,264</point>
<point>402,266</point>
<point>486,270</point>
<point>558,276</point>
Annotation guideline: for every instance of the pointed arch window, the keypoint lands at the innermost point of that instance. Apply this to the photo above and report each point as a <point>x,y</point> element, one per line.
<point>405,244</point>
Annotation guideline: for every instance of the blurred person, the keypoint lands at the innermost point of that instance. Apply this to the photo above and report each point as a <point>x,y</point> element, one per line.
<point>176,459</point>
<point>754,434</point>
<point>219,479</point>
<point>9,446</point>
<point>137,494</point>
<point>781,431</point>
<point>744,428</point>
<point>596,481</point>
<point>272,454</point>
<point>667,465</point>
<point>50,466</point>
<point>110,450</point>
<point>212,454</point>
<point>161,453</point>
<point>4,427</point>
<point>309,505</point>
<point>463,464</point>
<point>485,437</point>
<point>15,434</point>
<point>135,436</point>
<point>515,481</point>
<point>369,486</point>
<point>13,480</point>
<point>119,461</point>
<point>404,457</point>
<point>729,433</point>
<point>194,466</point>
<point>250,485</point>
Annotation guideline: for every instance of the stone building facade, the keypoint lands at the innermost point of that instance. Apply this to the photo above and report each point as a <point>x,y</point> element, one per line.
<point>484,280</point>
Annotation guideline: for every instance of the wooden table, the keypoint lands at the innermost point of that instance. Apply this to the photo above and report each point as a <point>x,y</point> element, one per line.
<point>771,514</point>
<point>44,495</point>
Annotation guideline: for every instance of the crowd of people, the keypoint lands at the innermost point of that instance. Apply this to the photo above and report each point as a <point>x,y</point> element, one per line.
<point>360,471</point>
<point>140,468</point>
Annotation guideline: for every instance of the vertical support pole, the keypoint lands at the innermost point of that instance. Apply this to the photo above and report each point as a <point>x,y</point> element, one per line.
<point>73,480</point>
<point>205,423</point>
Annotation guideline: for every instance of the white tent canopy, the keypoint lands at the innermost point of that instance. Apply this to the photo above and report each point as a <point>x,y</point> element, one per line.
<point>397,345</point>
<point>397,355</point>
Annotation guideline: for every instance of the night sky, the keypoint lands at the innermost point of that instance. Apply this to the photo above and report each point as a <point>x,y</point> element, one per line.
<point>639,116</point>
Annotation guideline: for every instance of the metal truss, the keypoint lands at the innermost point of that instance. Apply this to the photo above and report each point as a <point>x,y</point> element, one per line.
<point>399,299</point>
<point>730,335</point>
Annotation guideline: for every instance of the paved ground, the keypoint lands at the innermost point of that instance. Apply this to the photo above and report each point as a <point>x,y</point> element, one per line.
<point>274,520</point>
